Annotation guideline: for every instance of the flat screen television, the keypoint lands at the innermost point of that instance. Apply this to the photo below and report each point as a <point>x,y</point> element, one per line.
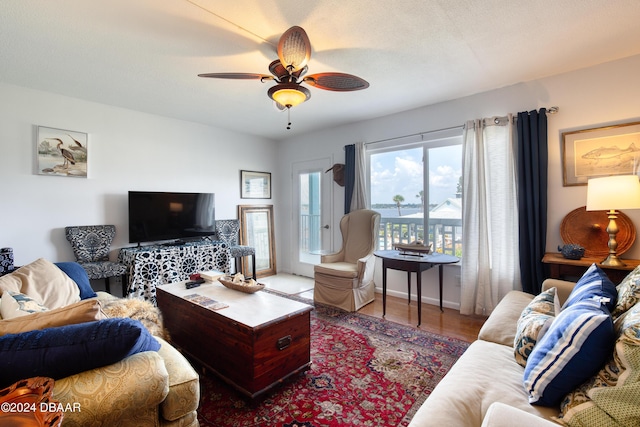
<point>158,216</point>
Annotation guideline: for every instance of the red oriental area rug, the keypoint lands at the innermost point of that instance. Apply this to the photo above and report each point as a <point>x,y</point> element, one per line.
<point>364,371</point>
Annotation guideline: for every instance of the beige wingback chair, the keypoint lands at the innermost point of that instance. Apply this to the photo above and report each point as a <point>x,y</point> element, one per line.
<point>345,279</point>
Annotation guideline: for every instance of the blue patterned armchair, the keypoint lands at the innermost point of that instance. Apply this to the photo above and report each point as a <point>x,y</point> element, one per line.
<point>6,261</point>
<point>91,245</point>
<point>227,230</point>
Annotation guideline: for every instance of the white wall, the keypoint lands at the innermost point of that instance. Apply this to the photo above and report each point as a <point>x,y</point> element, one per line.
<point>601,95</point>
<point>136,151</point>
<point>128,150</point>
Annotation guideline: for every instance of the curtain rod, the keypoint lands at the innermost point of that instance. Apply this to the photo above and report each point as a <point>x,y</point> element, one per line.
<point>550,110</point>
<point>414,134</point>
<point>499,120</point>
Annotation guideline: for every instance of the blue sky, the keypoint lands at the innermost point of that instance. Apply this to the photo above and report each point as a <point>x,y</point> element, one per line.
<point>401,172</point>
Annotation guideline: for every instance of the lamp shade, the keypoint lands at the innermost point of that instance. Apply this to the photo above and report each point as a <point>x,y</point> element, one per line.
<point>289,94</point>
<point>613,193</point>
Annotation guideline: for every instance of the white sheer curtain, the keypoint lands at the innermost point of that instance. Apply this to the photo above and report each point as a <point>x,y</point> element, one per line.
<point>359,197</point>
<point>490,265</point>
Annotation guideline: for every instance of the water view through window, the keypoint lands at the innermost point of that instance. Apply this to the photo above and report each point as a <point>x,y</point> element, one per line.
<point>419,188</point>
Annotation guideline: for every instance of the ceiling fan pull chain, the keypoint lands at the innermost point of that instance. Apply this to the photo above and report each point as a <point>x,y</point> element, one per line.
<point>289,117</point>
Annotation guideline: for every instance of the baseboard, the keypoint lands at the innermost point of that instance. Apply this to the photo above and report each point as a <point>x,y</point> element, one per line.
<point>426,300</point>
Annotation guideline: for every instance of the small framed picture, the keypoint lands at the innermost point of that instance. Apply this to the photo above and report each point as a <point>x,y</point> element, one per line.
<point>255,185</point>
<point>601,151</point>
<point>61,152</point>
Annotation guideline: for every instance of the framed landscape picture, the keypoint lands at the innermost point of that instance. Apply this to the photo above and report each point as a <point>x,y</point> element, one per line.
<point>61,152</point>
<point>255,185</point>
<point>602,151</point>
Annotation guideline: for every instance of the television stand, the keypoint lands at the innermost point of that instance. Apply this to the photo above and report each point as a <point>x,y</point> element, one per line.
<point>174,243</point>
<point>156,265</point>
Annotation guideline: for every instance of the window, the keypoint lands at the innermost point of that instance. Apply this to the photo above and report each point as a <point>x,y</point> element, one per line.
<point>416,185</point>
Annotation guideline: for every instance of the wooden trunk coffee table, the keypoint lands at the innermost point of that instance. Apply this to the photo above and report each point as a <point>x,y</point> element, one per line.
<point>253,344</point>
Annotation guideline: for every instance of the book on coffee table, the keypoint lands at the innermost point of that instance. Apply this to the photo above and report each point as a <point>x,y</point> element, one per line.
<point>212,275</point>
<point>206,302</point>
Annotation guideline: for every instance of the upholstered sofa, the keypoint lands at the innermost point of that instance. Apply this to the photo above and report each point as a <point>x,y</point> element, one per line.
<point>487,387</point>
<point>152,385</point>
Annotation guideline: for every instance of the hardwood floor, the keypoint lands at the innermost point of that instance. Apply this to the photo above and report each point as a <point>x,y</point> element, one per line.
<point>450,322</point>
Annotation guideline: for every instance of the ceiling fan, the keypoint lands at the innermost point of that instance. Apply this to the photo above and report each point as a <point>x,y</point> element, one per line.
<point>288,71</point>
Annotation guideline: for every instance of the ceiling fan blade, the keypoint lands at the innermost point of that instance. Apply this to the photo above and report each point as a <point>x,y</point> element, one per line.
<point>277,69</point>
<point>237,76</point>
<point>294,48</point>
<point>339,82</point>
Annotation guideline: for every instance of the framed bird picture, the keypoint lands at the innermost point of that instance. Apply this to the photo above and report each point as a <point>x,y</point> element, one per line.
<point>61,152</point>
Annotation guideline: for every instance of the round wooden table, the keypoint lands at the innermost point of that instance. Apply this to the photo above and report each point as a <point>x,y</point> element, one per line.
<point>412,263</point>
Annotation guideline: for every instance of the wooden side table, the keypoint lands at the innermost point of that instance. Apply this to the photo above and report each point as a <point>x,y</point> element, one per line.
<point>412,264</point>
<point>572,269</point>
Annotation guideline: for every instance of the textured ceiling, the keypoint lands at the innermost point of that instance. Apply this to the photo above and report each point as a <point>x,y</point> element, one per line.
<point>145,54</point>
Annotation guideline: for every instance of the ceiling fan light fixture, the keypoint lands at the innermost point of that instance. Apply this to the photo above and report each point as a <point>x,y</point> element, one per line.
<point>289,94</point>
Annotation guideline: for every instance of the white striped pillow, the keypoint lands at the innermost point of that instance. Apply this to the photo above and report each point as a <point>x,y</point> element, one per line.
<point>574,348</point>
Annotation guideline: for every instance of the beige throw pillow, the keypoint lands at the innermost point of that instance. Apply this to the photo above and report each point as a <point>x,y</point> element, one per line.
<point>15,304</point>
<point>87,310</point>
<point>44,282</point>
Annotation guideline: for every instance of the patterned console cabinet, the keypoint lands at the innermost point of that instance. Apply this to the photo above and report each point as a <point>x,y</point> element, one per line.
<point>153,265</point>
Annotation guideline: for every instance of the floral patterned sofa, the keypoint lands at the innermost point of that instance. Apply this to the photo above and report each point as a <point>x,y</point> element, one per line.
<point>569,356</point>
<point>147,383</point>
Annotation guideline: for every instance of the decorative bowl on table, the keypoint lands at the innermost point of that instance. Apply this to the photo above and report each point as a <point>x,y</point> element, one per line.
<point>571,251</point>
<point>248,286</point>
<point>32,403</point>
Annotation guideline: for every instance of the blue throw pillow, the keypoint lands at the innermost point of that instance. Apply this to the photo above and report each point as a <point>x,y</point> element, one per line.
<point>575,347</point>
<point>67,350</point>
<point>78,275</point>
<point>596,285</point>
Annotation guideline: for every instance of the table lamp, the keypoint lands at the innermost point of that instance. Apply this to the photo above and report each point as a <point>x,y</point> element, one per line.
<point>613,193</point>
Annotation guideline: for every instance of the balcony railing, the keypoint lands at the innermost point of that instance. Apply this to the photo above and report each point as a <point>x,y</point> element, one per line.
<point>309,233</point>
<point>445,235</point>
